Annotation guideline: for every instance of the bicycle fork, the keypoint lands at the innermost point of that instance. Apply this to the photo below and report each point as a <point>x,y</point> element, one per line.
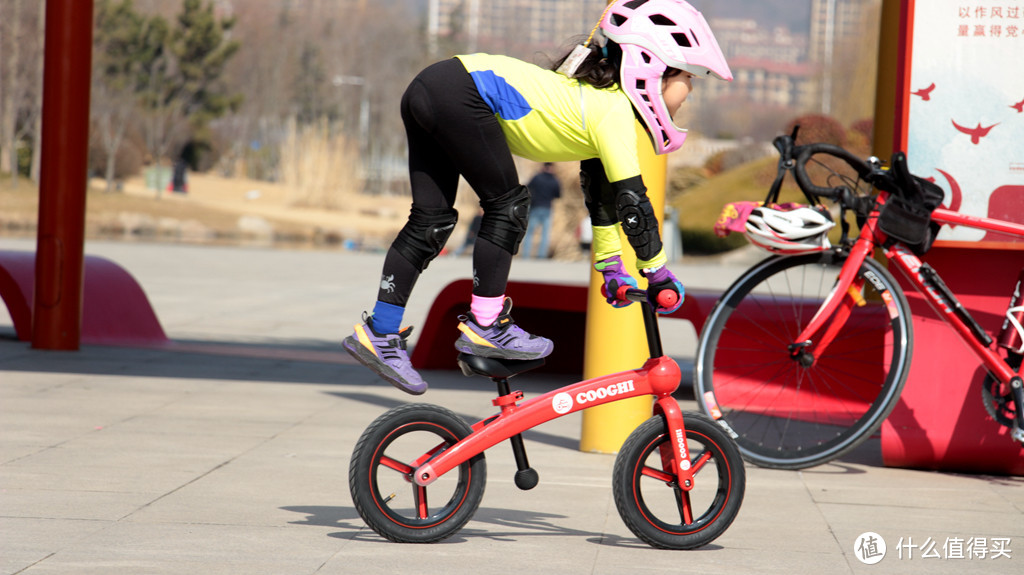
<point>834,311</point>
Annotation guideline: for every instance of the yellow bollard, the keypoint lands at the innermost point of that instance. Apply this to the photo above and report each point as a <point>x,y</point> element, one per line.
<point>615,338</point>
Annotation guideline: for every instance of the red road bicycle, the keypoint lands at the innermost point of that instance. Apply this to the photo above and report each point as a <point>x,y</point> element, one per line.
<point>804,356</point>
<point>678,480</point>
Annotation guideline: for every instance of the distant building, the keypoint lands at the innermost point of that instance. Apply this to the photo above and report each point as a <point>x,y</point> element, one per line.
<point>746,39</point>
<point>764,81</point>
<point>513,26</point>
<point>834,24</point>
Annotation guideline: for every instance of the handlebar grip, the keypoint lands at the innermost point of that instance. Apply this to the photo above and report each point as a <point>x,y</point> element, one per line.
<point>622,292</point>
<point>626,293</point>
<point>667,298</point>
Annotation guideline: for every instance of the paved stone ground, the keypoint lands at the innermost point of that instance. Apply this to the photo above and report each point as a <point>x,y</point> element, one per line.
<point>227,451</point>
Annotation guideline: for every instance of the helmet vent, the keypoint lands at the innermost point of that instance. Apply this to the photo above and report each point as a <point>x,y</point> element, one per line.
<point>694,36</point>
<point>682,39</point>
<point>662,20</point>
<point>647,57</point>
<point>634,4</point>
<point>619,19</point>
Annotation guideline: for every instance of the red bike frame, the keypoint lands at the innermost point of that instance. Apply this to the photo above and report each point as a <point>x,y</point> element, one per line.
<point>836,307</point>
<point>659,377</point>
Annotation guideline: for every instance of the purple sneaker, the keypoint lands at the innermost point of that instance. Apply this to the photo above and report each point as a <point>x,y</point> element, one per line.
<point>502,339</point>
<point>385,355</point>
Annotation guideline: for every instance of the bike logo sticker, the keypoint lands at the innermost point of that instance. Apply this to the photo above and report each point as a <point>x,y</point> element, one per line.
<point>562,403</point>
<point>684,455</point>
<point>869,548</point>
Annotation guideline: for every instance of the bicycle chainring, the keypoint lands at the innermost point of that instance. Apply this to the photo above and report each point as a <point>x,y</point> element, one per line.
<point>997,397</point>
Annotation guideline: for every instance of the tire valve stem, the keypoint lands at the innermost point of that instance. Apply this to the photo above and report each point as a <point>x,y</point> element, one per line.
<point>389,498</point>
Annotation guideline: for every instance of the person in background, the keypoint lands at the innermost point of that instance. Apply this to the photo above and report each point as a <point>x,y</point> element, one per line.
<point>468,115</point>
<point>544,189</point>
<point>474,229</point>
<point>585,235</point>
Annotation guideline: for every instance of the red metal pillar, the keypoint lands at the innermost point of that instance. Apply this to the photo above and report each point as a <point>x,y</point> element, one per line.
<point>57,308</point>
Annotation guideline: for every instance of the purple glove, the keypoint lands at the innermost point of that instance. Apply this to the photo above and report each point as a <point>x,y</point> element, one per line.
<point>614,278</point>
<point>661,281</point>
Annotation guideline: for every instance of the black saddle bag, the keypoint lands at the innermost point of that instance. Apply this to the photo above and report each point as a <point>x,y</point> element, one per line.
<point>907,214</point>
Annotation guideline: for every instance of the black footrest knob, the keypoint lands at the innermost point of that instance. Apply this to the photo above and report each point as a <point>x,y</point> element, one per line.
<point>527,479</point>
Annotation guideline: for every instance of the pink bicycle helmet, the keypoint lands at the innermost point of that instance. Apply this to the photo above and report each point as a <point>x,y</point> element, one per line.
<point>656,35</point>
<point>798,231</point>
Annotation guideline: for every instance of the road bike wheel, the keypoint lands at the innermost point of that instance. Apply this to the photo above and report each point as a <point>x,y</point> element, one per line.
<point>380,475</point>
<point>794,412</point>
<point>647,493</point>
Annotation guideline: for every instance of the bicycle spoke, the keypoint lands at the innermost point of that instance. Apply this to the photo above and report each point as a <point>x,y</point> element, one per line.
<point>419,494</point>
<point>699,462</point>
<point>648,471</point>
<point>396,465</point>
<point>685,507</point>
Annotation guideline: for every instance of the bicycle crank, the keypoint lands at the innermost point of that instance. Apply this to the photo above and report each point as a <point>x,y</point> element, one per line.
<point>1017,390</point>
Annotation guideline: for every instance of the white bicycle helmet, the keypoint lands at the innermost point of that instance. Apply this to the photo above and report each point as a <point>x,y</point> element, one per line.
<point>797,231</point>
<point>656,35</point>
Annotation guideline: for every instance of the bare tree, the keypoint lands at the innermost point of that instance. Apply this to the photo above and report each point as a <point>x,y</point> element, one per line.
<point>10,143</point>
<point>37,102</point>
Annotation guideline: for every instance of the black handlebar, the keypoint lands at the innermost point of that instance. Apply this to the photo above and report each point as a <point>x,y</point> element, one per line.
<point>863,169</point>
<point>795,158</point>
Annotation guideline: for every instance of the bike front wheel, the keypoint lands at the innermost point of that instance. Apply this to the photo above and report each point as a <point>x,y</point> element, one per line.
<point>649,498</point>
<point>786,408</point>
<point>380,475</point>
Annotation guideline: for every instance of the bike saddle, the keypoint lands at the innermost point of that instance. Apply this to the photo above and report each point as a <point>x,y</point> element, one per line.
<point>495,368</point>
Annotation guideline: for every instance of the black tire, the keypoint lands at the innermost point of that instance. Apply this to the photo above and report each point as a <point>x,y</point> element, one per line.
<point>790,414</point>
<point>388,500</point>
<point>647,494</point>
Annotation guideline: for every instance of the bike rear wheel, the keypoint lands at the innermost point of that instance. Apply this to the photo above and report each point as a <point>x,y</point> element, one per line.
<point>789,411</point>
<point>647,492</point>
<point>380,475</point>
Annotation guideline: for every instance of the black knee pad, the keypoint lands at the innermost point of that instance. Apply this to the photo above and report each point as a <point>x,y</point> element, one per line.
<point>424,235</point>
<point>636,215</point>
<point>505,219</point>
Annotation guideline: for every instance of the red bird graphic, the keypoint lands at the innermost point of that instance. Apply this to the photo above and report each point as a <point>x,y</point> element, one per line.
<point>1019,106</point>
<point>976,134</point>
<point>926,94</point>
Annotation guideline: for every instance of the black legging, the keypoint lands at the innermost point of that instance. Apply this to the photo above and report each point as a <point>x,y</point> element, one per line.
<point>452,132</point>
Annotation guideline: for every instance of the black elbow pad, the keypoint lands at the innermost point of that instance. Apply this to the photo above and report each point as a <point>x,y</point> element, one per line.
<point>636,215</point>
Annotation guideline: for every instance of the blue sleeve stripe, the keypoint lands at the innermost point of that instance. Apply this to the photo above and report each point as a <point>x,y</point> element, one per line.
<point>504,99</point>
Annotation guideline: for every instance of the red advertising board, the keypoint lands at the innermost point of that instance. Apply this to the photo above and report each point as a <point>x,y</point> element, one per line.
<point>958,110</point>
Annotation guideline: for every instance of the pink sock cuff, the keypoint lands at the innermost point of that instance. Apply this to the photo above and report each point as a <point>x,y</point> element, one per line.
<point>486,309</point>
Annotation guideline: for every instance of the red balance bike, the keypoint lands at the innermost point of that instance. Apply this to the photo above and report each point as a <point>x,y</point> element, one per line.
<point>678,480</point>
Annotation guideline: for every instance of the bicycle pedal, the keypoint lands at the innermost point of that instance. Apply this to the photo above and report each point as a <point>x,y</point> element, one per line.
<point>1017,434</point>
